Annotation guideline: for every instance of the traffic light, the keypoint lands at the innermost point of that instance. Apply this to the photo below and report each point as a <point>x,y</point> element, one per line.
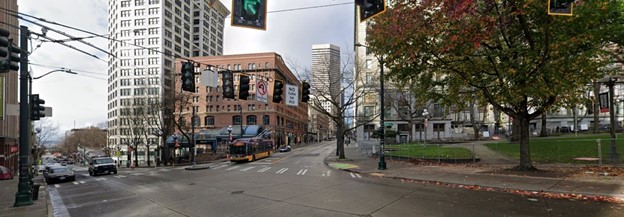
<point>188,77</point>
<point>305,91</point>
<point>278,89</point>
<point>36,107</point>
<point>560,7</point>
<point>243,87</point>
<point>370,8</point>
<point>228,84</point>
<point>9,54</point>
<point>249,13</point>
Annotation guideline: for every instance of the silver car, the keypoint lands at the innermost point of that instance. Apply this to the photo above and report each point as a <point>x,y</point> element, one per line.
<point>59,174</point>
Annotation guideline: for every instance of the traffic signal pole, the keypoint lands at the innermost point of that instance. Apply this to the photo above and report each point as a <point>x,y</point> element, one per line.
<point>23,197</point>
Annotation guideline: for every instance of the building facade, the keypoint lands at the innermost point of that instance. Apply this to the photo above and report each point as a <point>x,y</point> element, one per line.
<point>9,122</point>
<point>288,124</point>
<point>326,78</point>
<point>148,36</point>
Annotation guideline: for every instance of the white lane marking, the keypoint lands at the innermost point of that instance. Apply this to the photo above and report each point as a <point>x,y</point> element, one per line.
<point>137,174</point>
<point>248,168</point>
<point>57,186</point>
<point>358,175</point>
<point>328,172</point>
<point>231,168</point>
<point>304,172</point>
<point>75,183</point>
<point>120,176</point>
<point>164,170</point>
<point>58,207</point>
<point>282,170</point>
<point>264,169</point>
<point>219,167</point>
<point>352,176</point>
<point>300,171</point>
<point>82,182</point>
<point>297,162</point>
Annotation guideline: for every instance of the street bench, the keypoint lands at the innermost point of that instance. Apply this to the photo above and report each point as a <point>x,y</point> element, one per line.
<point>586,159</point>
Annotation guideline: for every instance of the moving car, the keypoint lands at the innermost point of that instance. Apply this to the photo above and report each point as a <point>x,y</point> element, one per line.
<point>59,174</point>
<point>102,165</point>
<point>5,173</point>
<point>285,149</point>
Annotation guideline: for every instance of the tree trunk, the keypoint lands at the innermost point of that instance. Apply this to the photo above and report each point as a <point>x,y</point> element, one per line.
<point>525,157</point>
<point>148,156</point>
<point>596,107</point>
<point>515,132</point>
<point>340,141</point>
<point>473,121</point>
<point>543,132</point>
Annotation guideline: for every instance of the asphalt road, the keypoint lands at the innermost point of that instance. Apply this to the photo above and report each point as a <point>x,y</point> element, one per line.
<point>296,183</point>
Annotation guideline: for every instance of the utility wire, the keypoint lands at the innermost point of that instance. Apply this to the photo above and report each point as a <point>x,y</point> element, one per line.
<point>74,70</point>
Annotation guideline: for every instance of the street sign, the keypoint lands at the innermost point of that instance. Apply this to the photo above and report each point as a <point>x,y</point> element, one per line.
<point>209,78</point>
<point>262,91</point>
<point>604,102</point>
<point>292,95</point>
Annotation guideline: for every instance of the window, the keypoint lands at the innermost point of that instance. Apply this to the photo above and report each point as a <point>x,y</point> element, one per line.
<point>139,12</point>
<point>438,127</point>
<point>251,120</point>
<point>139,41</point>
<point>152,31</point>
<point>139,2</point>
<point>209,120</point>
<point>139,22</point>
<point>125,13</point>
<point>369,110</point>
<point>369,64</point>
<point>125,23</point>
<point>152,2</point>
<point>138,52</point>
<point>236,120</point>
<point>125,4</point>
<point>152,21</point>
<point>265,120</point>
<point>138,62</point>
<point>152,41</point>
<point>152,11</point>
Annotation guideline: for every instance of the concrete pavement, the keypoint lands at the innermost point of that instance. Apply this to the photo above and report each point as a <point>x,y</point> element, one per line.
<point>40,207</point>
<point>488,176</point>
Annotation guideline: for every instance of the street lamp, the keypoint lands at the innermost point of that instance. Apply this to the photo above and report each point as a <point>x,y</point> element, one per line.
<point>425,114</point>
<point>382,158</point>
<point>229,129</point>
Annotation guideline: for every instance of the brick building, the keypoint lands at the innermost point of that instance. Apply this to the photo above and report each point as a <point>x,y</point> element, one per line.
<point>9,124</point>
<point>287,123</point>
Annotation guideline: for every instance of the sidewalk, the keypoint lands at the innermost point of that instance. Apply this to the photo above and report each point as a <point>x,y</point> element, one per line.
<point>487,177</point>
<point>40,207</point>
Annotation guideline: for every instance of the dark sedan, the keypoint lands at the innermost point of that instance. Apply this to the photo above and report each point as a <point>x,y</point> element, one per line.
<point>285,149</point>
<point>59,174</point>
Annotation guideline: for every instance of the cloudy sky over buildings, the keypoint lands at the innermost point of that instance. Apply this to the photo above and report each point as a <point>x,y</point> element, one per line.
<point>80,100</point>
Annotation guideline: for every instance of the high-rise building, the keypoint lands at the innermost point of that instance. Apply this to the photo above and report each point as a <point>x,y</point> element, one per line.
<point>9,148</point>
<point>326,77</point>
<point>149,35</point>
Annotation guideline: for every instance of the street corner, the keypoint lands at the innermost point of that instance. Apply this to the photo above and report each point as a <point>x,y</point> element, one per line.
<point>343,166</point>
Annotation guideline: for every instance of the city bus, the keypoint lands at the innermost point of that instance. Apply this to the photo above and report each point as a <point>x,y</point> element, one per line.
<point>250,149</point>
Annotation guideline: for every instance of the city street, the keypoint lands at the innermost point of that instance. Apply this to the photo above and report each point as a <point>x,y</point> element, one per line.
<point>295,183</point>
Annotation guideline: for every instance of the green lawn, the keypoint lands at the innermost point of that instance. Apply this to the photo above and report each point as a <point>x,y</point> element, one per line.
<point>561,149</point>
<point>428,152</point>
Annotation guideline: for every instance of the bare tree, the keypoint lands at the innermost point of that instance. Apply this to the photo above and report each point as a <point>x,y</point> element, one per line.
<point>333,99</point>
<point>91,137</point>
<point>46,131</point>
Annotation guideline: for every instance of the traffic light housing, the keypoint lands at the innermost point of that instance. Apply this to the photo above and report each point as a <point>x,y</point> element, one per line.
<point>249,13</point>
<point>560,7</point>
<point>305,91</point>
<point>243,87</point>
<point>188,77</point>
<point>278,89</point>
<point>228,84</point>
<point>36,107</point>
<point>9,54</point>
<point>370,8</point>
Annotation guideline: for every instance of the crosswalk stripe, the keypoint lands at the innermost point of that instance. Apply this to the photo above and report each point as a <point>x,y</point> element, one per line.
<point>328,172</point>
<point>282,170</point>
<point>231,168</point>
<point>82,182</point>
<point>352,176</point>
<point>248,168</point>
<point>304,172</point>
<point>219,167</point>
<point>300,171</point>
<point>264,169</point>
<point>57,186</point>
<point>75,183</point>
<point>358,175</point>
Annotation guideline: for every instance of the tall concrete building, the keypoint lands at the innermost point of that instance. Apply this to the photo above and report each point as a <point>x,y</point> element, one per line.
<point>326,77</point>
<point>9,124</point>
<point>149,35</point>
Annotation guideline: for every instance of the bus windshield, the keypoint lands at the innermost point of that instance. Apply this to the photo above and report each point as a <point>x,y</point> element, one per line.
<point>238,150</point>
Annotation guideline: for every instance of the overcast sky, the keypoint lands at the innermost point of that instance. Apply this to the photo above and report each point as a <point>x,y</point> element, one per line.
<point>81,100</point>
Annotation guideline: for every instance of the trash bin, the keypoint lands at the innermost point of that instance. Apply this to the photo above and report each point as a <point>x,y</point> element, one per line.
<point>35,191</point>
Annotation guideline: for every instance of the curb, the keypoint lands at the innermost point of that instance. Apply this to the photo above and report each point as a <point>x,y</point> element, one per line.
<point>197,168</point>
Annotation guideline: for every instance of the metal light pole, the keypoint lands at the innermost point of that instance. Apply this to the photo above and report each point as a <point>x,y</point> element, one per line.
<point>613,155</point>
<point>193,135</point>
<point>382,158</point>
<point>425,114</point>
<point>23,197</point>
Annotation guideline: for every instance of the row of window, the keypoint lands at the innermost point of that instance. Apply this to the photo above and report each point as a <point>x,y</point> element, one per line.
<point>236,120</point>
<point>128,3</point>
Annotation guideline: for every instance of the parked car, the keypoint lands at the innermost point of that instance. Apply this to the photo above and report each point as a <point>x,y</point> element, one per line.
<point>5,173</point>
<point>285,149</point>
<point>102,165</point>
<point>59,174</point>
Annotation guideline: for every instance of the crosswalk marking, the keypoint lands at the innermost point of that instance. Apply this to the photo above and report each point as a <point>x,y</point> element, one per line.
<point>231,168</point>
<point>264,169</point>
<point>302,172</point>
<point>248,168</point>
<point>120,176</point>
<point>100,179</point>
<point>355,175</point>
<point>137,174</point>
<point>358,175</point>
<point>75,183</point>
<point>82,182</point>
<point>282,170</point>
<point>57,186</point>
<point>219,167</point>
